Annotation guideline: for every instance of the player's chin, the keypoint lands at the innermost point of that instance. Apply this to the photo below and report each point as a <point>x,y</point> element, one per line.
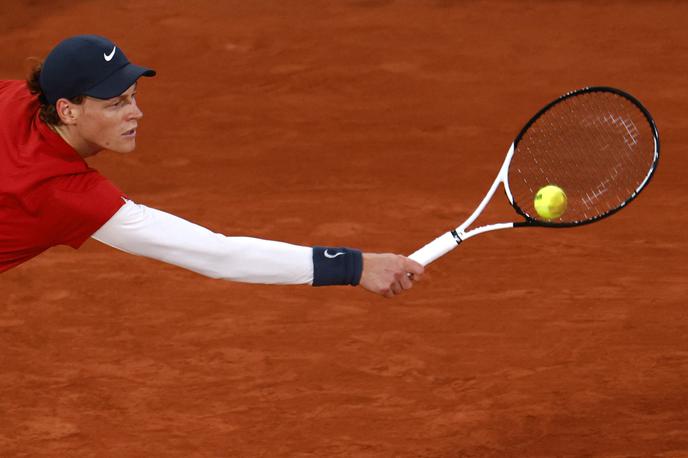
<point>123,147</point>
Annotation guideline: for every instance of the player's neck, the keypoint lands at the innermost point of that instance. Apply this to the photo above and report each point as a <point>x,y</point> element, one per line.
<point>81,146</point>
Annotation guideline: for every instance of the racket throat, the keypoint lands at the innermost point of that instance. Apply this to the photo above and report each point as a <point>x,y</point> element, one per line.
<point>457,237</point>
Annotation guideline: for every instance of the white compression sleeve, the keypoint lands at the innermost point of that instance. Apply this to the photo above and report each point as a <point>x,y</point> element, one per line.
<point>148,232</point>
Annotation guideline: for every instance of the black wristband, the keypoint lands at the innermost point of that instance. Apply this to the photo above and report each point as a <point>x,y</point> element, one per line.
<point>336,266</point>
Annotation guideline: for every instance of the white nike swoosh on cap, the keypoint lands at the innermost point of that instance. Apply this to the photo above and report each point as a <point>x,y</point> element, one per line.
<point>332,256</point>
<point>108,57</point>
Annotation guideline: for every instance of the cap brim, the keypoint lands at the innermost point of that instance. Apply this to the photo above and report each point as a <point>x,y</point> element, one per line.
<point>119,81</point>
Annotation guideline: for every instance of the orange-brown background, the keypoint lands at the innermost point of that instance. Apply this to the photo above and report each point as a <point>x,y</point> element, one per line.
<point>374,124</point>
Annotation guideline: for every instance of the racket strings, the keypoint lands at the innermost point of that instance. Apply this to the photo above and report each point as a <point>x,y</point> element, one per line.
<point>598,147</point>
<point>619,159</point>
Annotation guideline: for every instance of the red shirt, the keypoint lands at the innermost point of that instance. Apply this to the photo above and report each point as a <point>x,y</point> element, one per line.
<point>48,194</point>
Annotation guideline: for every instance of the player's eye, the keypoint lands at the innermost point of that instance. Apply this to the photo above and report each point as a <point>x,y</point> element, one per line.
<point>124,101</point>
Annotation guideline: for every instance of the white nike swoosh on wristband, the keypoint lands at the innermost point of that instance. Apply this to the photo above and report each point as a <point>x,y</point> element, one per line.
<point>108,57</point>
<point>332,256</point>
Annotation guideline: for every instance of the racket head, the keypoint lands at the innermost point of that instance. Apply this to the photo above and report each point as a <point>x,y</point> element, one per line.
<point>599,144</point>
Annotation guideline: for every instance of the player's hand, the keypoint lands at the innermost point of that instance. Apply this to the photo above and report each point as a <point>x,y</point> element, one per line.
<point>389,274</point>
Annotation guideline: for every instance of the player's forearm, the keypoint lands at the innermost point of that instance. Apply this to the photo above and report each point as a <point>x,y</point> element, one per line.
<point>148,232</point>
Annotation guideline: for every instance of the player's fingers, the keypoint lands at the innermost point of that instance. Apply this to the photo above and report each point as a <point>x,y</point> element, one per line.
<point>413,267</point>
<point>415,277</point>
<point>396,288</point>
<point>406,282</point>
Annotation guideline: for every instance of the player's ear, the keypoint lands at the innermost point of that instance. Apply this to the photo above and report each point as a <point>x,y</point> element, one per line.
<point>67,111</point>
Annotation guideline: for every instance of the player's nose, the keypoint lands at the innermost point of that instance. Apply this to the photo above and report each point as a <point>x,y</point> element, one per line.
<point>136,112</point>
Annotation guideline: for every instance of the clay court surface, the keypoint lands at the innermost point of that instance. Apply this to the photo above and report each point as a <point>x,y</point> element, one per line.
<point>378,125</point>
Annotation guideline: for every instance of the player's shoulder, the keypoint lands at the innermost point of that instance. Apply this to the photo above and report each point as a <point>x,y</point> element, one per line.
<point>6,84</point>
<point>85,189</point>
<point>16,100</point>
<point>77,183</point>
<point>14,87</point>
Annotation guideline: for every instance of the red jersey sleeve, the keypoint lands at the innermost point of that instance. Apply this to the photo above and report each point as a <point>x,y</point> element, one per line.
<point>77,206</point>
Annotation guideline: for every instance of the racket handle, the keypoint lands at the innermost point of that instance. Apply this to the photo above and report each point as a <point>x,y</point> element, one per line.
<point>435,249</point>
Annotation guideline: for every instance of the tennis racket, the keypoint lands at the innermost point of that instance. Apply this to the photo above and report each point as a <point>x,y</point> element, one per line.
<point>598,144</point>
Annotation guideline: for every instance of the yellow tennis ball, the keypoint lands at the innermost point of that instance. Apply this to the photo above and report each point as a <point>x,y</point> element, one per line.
<point>550,202</point>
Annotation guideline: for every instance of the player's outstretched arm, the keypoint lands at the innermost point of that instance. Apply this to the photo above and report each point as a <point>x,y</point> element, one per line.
<point>148,232</point>
<point>389,274</point>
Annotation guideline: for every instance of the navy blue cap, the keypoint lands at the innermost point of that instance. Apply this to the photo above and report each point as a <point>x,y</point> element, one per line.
<point>88,65</point>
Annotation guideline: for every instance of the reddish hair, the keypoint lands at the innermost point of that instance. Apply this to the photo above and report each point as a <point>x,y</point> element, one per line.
<point>47,112</point>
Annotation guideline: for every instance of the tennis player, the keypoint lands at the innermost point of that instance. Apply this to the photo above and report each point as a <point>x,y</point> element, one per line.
<point>82,100</point>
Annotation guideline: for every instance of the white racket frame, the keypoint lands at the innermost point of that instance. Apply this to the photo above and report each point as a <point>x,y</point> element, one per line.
<point>451,239</point>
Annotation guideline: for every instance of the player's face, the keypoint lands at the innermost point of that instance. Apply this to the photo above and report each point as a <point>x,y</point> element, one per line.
<point>110,124</point>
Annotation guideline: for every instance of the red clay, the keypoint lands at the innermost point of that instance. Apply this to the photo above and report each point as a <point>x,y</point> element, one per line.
<point>379,125</point>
